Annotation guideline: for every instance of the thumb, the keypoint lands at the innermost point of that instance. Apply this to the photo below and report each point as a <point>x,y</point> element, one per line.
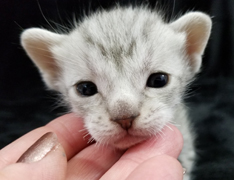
<point>45,159</point>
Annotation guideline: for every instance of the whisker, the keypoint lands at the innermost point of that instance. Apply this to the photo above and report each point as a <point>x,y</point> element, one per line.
<point>44,16</point>
<point>174,124</point>
<point>82,130</point>
<point>86,135</point>
<point>90,140</point>
<point>169,127</point>
<point>161,134</point>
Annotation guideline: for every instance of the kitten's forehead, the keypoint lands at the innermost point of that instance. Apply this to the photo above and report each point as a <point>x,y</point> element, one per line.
<point>109,45</point>
<point>115,35</point>
<point>125,41</point>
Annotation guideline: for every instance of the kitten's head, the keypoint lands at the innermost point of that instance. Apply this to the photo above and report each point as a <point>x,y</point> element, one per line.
<point>124,71</point>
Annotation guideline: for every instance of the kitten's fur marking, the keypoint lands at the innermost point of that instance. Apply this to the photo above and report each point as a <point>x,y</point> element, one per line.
<point>118,50</point>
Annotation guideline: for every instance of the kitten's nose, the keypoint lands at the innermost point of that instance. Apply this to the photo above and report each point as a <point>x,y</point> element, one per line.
<point>125,123</point>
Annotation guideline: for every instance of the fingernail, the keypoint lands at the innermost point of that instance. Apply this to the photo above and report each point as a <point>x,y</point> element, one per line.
<point>40,148</point>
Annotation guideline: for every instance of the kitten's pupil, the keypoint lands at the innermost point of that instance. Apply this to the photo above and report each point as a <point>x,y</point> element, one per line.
<point>157,80</point>
<point>86,88</point>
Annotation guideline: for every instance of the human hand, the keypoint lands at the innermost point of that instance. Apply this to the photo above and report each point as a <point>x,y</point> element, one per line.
<point>152,159</point>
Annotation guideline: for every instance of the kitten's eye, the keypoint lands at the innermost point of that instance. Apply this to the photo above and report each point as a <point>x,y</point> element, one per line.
<point>86,88</point>
<point>157,80</point>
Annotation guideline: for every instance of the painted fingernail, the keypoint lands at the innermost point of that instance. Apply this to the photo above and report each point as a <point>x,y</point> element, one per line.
<point>40,148</point>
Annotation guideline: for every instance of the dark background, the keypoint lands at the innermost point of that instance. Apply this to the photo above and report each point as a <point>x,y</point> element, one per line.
<point>26,104</point>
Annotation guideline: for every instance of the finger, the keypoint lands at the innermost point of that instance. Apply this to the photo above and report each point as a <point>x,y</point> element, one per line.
<point>67,128</point>
<point>71,133</point>
<point>170,143</point>
<point>38,165</point>
<point>158,168</point>
<point>92,162</point>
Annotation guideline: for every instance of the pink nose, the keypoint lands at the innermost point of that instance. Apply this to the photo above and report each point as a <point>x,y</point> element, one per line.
<point>125,123</point>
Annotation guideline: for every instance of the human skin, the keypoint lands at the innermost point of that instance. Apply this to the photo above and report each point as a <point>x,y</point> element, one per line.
<point>74,158</point>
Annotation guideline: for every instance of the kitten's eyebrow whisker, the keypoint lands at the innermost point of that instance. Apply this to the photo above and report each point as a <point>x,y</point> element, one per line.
<point>43,15</point>
<point>63,29</point>
<point>173,10</point>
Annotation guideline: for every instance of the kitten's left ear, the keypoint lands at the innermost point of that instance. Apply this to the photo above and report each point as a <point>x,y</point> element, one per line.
<point>197,27</point>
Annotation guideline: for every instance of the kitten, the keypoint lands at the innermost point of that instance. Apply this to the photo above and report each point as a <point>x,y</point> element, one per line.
<point>124,71</point>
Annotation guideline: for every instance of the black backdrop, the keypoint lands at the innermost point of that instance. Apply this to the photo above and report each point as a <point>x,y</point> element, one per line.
<point>25,104</point>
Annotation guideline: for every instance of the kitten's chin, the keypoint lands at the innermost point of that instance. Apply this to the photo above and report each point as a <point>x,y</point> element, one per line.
<point>127,141</point>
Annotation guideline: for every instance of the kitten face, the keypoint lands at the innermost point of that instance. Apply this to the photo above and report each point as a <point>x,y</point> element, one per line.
<point>119,55</point>
<point>121,83</point>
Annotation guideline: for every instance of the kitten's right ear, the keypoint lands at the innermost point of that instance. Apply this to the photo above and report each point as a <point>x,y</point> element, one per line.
<point>38,44</point>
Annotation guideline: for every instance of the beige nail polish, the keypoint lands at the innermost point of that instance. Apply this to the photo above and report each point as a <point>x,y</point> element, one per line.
<point>40,148</point>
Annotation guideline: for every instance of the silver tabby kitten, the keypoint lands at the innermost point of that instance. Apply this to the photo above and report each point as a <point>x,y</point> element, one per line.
<point>124,71</point>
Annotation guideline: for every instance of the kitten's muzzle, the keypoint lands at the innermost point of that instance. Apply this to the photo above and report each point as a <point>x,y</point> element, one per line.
<point>125,123</point>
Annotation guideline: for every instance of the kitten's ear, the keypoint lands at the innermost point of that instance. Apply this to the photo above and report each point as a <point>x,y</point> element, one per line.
<point>197,27</point>
<point>38,44</point>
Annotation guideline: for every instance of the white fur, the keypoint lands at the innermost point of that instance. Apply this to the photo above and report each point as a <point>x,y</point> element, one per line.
<point>118,50</point>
